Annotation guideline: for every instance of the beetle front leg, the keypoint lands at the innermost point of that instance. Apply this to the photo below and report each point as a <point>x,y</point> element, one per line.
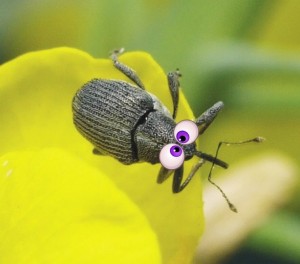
<point>163,174</point>
<point>204,120</point>
<point>130,73</point>
<point>173,82</point>
<point>177,179</point>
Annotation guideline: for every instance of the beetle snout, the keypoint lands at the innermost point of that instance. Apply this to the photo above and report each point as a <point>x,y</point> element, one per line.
<point>189,151</point>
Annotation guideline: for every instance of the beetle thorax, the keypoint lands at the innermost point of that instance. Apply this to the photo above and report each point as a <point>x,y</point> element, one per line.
<point>153,135</point>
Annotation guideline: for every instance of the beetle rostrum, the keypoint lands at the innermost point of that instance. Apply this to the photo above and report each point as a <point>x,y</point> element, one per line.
<point>128,123</point>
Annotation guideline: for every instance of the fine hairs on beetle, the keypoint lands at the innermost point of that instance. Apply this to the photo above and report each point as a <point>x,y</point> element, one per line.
<point>128,123</point>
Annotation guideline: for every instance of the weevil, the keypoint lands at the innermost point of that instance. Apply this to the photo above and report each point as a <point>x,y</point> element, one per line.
<point>128,123</point>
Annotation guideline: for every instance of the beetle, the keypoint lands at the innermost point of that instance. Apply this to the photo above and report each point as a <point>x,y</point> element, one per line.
<point>126,122</point>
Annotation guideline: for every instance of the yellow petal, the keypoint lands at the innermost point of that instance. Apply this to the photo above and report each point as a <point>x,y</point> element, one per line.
<point>36,92</point>
<point>55,208</point>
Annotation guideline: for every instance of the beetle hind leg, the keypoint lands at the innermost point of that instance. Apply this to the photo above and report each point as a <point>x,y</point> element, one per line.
<point>97,152</point>
<point>130,73</point>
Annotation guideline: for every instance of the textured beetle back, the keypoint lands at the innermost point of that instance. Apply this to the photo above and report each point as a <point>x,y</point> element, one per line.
<point>107,112</point>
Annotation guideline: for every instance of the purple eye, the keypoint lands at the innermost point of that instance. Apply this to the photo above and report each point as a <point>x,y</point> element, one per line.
<point>182,136</point>
<point>171,156</point>
<point>175,151</point>
<point>186,132</point>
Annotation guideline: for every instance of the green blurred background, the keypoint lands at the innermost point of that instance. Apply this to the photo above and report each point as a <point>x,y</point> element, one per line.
<point>245,53</point>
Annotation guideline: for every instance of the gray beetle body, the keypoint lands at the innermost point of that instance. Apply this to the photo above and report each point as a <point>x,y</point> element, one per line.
<point>123,121</point>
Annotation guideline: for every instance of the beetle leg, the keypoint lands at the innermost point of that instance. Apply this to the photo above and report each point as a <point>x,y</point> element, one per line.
<point>204,120</point>
<point>163,174</point>
<point>97,152</point>
<point>173,82</point>
<point>130,73</point>
<point>177,186</point>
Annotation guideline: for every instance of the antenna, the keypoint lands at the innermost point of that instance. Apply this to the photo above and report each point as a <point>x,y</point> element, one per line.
<point>216,161</point>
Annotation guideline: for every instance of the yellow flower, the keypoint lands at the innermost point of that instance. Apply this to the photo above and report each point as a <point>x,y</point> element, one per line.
<point>59,203</point>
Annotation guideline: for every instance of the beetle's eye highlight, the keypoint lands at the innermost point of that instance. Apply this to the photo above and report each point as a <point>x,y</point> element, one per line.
<point>186,132</point>
<point>171,156</point>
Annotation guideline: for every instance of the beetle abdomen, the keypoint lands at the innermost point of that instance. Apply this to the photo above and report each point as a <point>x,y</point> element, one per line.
<point>107,112</point>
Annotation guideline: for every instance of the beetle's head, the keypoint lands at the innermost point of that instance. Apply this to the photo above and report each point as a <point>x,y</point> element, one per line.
<point>173,155</point>
<point>189,150</point>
